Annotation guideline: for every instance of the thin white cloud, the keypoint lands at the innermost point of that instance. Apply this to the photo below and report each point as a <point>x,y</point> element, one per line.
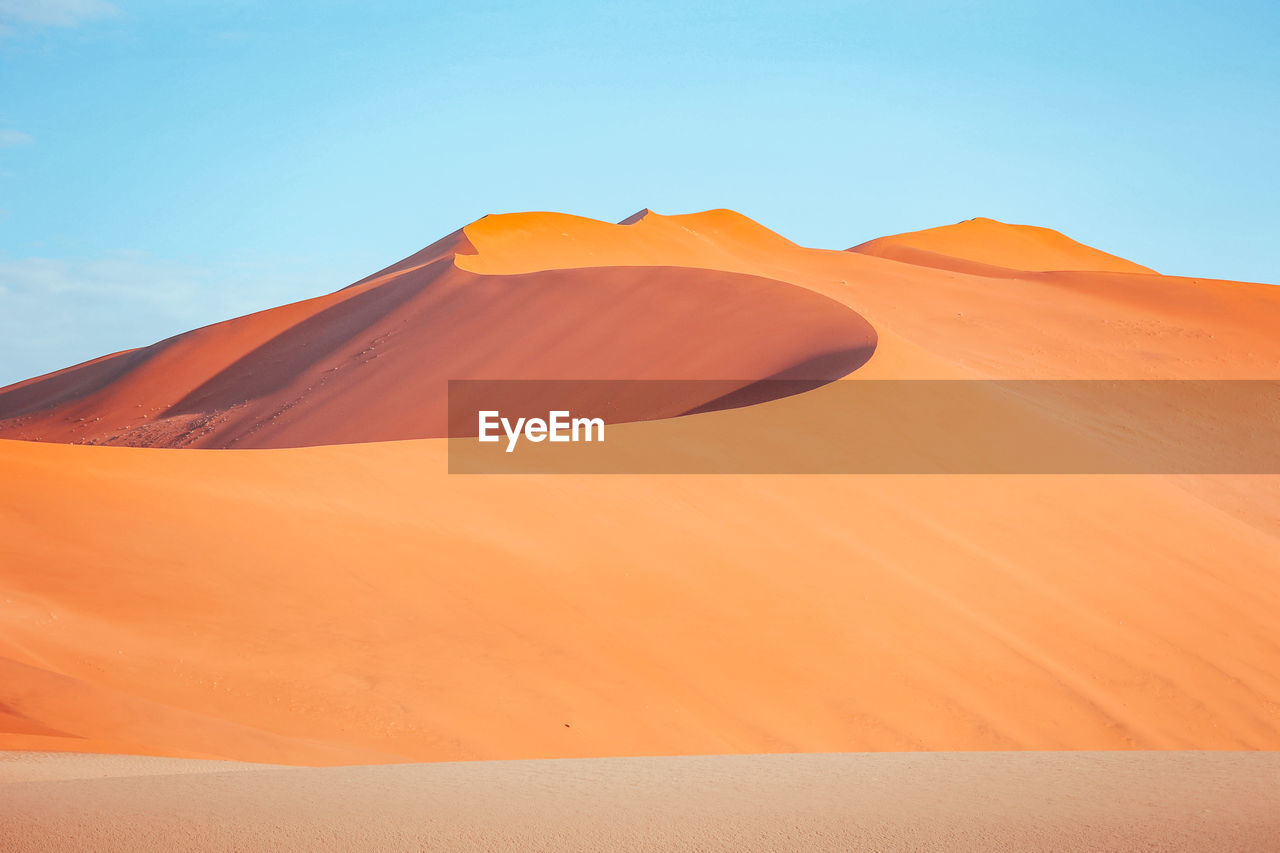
<point>12,138</point>
<point>55,13</point>
<point>55,312</point>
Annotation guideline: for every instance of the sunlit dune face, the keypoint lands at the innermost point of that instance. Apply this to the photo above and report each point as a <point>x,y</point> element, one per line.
<point>526,242</point>
<point>998,244</point>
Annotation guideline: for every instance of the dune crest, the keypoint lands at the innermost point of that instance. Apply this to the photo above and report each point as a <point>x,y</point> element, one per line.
<point>984,245</point>
<point>512,243</point>
<point>371,362</point>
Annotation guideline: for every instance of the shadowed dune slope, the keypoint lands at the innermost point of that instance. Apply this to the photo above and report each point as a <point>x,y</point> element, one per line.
<point>371,362</point>
<point>356,603</point>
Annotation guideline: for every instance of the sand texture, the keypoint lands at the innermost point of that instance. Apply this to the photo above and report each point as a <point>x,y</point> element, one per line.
<point>1118,801</point>
<point>325,596</point>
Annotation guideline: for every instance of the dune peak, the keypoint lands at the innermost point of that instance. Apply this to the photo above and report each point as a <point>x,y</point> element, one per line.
<point>973,245</point>
<point>519,295</point>
<point>510,243</point>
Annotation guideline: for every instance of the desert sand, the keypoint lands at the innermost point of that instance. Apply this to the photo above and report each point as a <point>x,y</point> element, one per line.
<point>984,245</point>
<point>711,295</point>
<point>1112,801</point>
<point>318,590</point>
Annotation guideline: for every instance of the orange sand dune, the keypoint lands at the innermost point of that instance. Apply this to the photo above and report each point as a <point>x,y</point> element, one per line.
<point>932,323</point>
<point>371,362</point>
<point>984,245</point>
<point>356,603</point>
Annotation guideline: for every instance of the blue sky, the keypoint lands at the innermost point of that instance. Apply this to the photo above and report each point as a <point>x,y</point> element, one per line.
<point>165,165</point>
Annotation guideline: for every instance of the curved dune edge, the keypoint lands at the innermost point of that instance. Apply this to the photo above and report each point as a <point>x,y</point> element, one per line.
<point>359,364</point>
<point>373,364</point>
<point>1175,801</point>
<point>370,362</point>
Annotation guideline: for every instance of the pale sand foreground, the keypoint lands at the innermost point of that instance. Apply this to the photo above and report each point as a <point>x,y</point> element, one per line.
<point>986,801</point>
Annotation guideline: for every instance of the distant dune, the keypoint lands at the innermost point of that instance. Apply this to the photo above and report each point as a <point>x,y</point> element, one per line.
<point>984,245</point>
<point>339,598</point>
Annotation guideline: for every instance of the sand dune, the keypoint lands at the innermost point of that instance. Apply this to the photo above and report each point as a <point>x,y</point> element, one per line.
<point>354,603</point>
<point>371,362</point>
<point>357,604</point>
<point>1172,801</point>
<point>985,246</point>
